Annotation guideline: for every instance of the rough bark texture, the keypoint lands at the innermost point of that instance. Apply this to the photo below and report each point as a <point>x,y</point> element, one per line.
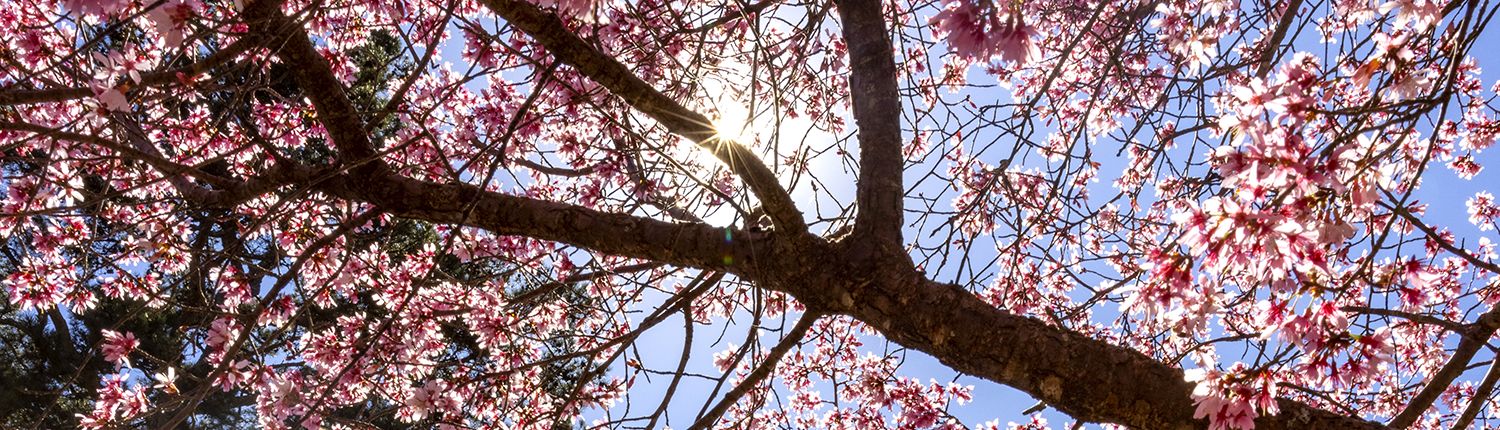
<point>877,113</point>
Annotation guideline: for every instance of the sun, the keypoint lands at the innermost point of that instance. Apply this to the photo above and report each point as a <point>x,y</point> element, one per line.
<point>726,95</point>
<point>735,121</point>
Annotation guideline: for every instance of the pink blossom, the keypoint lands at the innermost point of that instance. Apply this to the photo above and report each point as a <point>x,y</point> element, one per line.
<point>433,397</point>
<point>1409,85</point>
<point>1013,41</point>
<point>1465,166</point>
<point>1223,412</point>
<point>95,7</point>
<point>117,346</point>
<point>581,9</point>
<point>724,359</point>
<point>222,332</point>
<point>1486,249</point>
<point>1421,13</point>
<point>962,24</point>
<point>1482,210</point>
<point>111,99</point>
<point>1281,227</point>
<point>1217,7</point>
<point>170,19</point>
<point>1230,400</point>
<point>115,401</point>
<point>974,32</point>
<point>166,381</point>
<point>1037,423</point>
<point>1256,98</point>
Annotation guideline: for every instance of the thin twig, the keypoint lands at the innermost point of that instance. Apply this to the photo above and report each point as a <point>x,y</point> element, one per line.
<point>1450,325</point>
<point>760,373</point>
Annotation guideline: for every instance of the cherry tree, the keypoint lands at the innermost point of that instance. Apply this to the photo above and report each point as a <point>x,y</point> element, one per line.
<point>1152,214</point>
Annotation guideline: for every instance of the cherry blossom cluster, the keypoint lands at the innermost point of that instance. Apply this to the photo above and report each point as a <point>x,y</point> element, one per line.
<point>980,31</point>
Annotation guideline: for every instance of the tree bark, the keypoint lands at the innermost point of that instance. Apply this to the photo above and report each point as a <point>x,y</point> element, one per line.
<point>876,105</point>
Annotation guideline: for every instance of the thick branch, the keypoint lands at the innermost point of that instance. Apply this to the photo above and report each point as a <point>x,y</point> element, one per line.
<point>693,245</point>
<point>335,111</point>
<point>877,114</point>
<point>369,180</point>
<point>552,33</point>
<point>1088,379</point>
<point>1268,57</point>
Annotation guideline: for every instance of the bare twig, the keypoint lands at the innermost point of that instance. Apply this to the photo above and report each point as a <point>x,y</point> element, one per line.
<point>760,373</point>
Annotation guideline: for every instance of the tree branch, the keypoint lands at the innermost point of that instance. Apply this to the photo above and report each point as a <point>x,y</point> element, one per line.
<point>335,111</point>
<point>530,296</point>
<point>191,402</point>
<point>687,352</point>
<point>1268,57</point>
<point>556,171</point>
<point>370,180</point>
<point>1088,379</point>
<point>877,114</point>
<point>638,179</point>
<point>1437,238</point>
<point>1424,319</point>
<point>553,34</point>
<point>760,373</point>
<point>748,12</point>
<point>1481,396</point>
<point>1474,337</point>
<point>684,244</point>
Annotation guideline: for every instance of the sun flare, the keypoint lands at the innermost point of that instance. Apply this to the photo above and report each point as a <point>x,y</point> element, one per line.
<point>734,121</point>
